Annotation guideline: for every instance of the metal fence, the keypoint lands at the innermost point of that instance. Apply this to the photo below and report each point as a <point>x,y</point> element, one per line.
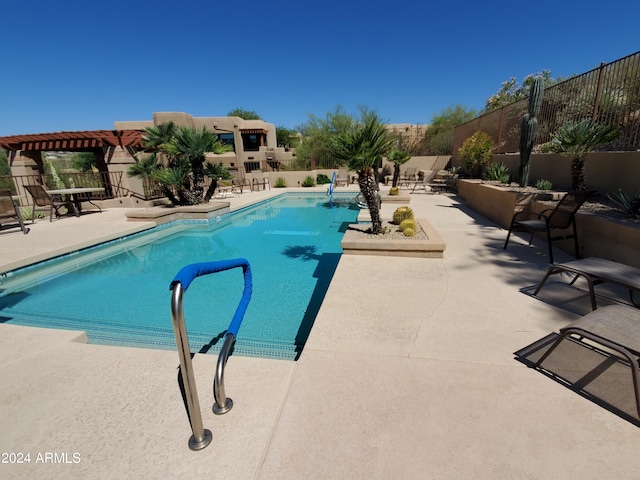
<point>110,181</point>
<point>609,94</point>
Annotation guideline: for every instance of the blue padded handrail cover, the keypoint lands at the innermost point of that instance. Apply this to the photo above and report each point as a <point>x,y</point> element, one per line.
<point>188,273</point>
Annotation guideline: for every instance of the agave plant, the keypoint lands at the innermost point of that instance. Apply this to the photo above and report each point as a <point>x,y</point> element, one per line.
<point>362,147</point>
<point>575,140</point>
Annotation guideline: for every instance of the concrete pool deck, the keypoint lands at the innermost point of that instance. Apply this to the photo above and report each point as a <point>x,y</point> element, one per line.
<point>409,372</point>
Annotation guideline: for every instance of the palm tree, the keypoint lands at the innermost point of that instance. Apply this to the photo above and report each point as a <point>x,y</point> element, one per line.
<point>398,157</point>
<point>215,173</point>
<point>575,140</point>
<point>186,150</point>
<point>362,147</point>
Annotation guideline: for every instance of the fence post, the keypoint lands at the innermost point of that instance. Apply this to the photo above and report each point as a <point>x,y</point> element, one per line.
<point>598,91</point>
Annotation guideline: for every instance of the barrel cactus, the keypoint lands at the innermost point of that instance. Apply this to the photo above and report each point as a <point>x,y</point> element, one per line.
<point>408,223</point>
<point>529,128</point>
<point>409,232</point>
<point>402,213</point>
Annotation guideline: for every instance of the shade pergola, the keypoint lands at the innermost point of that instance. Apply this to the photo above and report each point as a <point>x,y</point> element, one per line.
<point>89,140</point>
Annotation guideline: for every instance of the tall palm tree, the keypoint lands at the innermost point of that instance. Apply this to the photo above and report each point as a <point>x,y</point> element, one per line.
<point>575,140</point>
<point>362,147</point>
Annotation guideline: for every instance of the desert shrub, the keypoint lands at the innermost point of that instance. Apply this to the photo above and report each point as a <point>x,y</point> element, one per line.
<point>543,184</point>
<point>322,179</point>
<point>475,152</point>
<point>280,183</point>
<point>309,182</point>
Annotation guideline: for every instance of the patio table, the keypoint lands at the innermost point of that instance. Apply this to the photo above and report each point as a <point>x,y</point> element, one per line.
<point>74,192</point>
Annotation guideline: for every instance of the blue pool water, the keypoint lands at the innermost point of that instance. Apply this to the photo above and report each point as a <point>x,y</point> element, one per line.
<point>119,292</point>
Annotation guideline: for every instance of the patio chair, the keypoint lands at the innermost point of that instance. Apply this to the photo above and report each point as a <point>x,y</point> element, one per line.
<point>342,177</point>
<point>43,201</point>
<point>10,211</point>
<point>259,179</point>
<point>239,181</point>
<point>561,217</point>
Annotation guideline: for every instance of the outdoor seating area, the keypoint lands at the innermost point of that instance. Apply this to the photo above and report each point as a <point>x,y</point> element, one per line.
<point>10,213</point>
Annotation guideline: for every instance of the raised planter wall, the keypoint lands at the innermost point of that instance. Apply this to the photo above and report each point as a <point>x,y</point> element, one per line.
<point>598,236</point>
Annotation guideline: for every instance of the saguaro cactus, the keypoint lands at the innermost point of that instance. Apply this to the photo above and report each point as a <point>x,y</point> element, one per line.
<point>529,128</point>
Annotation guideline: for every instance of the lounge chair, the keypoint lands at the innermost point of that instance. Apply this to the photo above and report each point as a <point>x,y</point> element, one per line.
<point>43,201</point>
<point>408,176</point>
<point>429,182</point>
<point>614,327</point>
<point>10,211</point>
<point>259,179</point>
<point>561,217</point>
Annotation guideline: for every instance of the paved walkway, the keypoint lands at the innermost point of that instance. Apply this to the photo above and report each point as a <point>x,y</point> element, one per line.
<point>408,373</point>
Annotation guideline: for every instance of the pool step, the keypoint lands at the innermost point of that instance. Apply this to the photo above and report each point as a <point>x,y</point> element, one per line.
<point>145,336</point>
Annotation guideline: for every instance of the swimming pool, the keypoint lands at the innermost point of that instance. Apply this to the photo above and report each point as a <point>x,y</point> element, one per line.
<point>118,292</point>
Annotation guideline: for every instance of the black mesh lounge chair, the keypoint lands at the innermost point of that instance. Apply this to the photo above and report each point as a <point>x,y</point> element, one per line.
<point>10,212</point>
<point>561,217</point>
<point>42,200</point>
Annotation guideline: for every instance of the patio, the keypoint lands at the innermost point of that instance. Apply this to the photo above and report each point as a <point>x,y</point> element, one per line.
<point>409,372</point>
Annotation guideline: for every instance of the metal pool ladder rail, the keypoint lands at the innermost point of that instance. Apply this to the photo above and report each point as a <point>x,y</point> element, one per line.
<point>202,437</point>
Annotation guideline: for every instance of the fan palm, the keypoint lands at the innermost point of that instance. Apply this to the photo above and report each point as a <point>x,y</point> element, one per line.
<point>215,172</point>
<point>397,157</point>
<point>361,148</point>
<point>575,140</point>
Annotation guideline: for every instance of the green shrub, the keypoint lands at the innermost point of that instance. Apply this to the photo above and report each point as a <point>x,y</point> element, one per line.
<point>309,182</point>
<point>543,184</point>
<point>498,172</point>
<point>408,223</point>
<point>25,212</point>
<point>475,152</point>
<point>322,179</point>
<point>280,183</point>
<point>630,206</point>
<point>402,213</point>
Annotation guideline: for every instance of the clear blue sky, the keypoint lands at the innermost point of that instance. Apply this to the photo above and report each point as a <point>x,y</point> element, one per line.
<point>81,65</point>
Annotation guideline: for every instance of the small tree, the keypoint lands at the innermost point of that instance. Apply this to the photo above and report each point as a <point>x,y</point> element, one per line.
<point>398,157</point>
<point>362,147</point>
<point>476,153</point>
<point>575,140</point>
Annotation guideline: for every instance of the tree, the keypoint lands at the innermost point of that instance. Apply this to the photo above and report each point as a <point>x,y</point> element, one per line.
<point>84,161</point>
<point>215,172</point>
<point>362,147</point>
<point>575,140</point>
<point>512,91</point>
<point>186,150</point>
<point>315,144</point>
<point>397,157</point>
<point>244,114</point>
<point>438,138</point>
<point>287,138</point>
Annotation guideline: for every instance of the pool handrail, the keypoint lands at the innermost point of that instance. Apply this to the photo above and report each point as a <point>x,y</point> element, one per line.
<point>202,437</point>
